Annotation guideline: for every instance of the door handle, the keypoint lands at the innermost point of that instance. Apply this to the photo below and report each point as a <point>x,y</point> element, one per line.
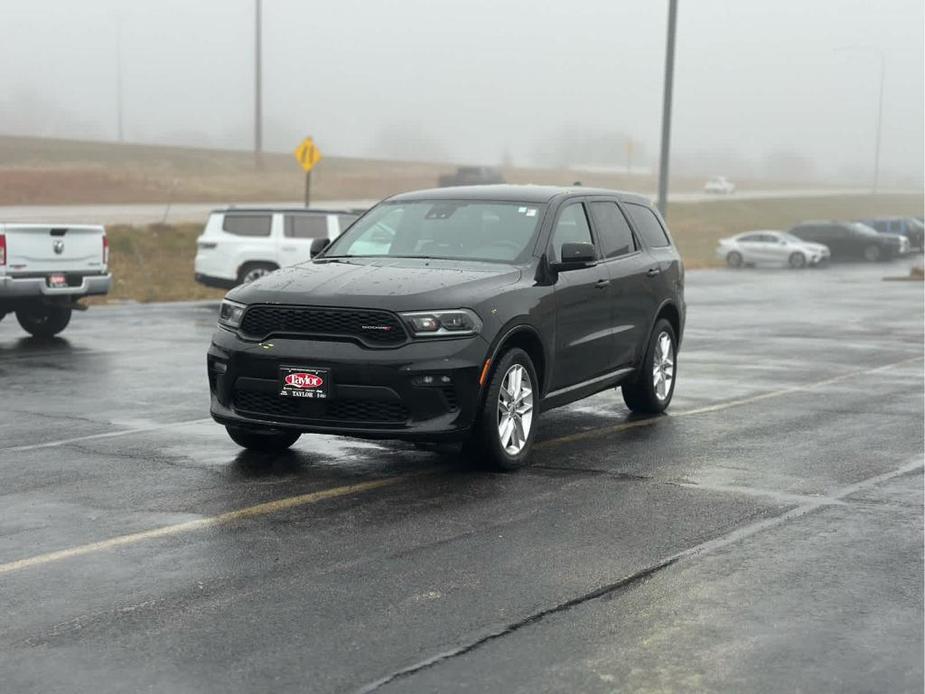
<point>653,271</point>
<point>287,248</point>
<point>600,284</point>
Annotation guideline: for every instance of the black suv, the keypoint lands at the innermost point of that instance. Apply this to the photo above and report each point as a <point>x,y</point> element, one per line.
<point>456,315</point>
<point>852,240</point>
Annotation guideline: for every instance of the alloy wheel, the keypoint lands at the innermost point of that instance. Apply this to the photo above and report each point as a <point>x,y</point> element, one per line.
<point>515,409</point>
<point>663,366</point>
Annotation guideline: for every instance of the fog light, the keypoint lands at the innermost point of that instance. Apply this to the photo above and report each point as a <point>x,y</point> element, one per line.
<point>432,380</point>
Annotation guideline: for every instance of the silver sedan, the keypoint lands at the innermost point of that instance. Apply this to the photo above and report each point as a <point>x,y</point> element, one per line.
<point>771,248</point>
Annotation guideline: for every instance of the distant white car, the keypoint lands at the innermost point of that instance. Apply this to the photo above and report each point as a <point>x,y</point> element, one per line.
<point>240,245</point>
<point>771,248</point>
<point>720,185</point>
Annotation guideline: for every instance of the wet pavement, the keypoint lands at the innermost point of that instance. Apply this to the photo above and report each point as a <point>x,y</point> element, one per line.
<point>766,535</point>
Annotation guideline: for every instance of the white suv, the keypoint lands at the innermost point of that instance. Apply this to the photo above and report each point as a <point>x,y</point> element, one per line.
<point>238,245</point>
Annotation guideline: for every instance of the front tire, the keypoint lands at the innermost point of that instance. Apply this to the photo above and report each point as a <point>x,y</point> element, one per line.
<point>797,260</point>
<point>44,320</point>
<point>734,259</point>
<point>506,427</point>
<point>872,253</point>
<point>263,441</point>
<point>652,389</point>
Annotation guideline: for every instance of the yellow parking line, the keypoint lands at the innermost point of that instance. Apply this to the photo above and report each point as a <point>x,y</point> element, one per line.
<point>190,526</point>
<point>729,404</point>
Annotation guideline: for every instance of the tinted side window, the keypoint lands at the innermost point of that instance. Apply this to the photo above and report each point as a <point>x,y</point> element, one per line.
<point>615,235</point>
<point>572,227</point>
<point>247,224</point>
<point>647,226</point>
<point>750,238</point>
<point>306,226</point>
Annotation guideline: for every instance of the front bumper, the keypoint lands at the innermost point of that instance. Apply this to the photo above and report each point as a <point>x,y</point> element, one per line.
<point>372,390</point>
<point>820,257</point>
<point>12,287</point>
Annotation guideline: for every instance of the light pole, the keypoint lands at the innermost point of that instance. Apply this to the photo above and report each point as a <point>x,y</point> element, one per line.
<point>879,53</point>
<point>119,120</point>
<point>258,96</point>
<point>666,109</point>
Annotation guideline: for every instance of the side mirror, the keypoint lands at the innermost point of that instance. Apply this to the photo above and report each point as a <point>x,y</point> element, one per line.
<point>318,245</point>
<point>574,256</point>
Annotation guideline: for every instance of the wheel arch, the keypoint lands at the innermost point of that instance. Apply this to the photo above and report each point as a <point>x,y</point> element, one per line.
<point>250,262</point>
<point>527,338</point>
<point>669,311</point>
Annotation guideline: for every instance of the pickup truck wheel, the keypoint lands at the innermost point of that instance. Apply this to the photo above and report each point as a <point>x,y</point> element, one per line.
<point>44,320</point>
<point>250,272</point>
<point>504,434</point>
<point>266,442</point>
<point>652,389</point>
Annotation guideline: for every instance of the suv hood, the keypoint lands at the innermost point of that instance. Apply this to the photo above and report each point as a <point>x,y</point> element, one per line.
<point>395,284</point>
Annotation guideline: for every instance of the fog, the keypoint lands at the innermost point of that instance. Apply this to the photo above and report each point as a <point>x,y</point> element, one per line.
<point>785,88</point>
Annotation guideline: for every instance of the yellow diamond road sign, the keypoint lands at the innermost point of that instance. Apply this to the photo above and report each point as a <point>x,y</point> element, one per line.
<point>307,154</point>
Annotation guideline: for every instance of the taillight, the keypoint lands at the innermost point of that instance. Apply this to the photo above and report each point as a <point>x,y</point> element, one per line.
<point>2,249</point>
<point>105,250</point>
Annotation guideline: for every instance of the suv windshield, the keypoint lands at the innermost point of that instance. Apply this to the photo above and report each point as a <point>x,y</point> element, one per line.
<point>450,229</point>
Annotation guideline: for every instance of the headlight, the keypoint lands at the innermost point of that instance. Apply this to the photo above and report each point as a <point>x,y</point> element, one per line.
<point>230,314</point>
<point>460,321</point>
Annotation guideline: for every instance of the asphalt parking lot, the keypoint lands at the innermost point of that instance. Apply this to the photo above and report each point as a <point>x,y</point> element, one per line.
<point>766,535</point>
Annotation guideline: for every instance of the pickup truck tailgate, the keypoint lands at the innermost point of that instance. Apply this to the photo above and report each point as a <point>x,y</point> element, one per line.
<point>45,248</point>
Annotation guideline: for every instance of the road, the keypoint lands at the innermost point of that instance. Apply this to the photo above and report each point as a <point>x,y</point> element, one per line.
<point>148,213</point>
<point>766,535</point>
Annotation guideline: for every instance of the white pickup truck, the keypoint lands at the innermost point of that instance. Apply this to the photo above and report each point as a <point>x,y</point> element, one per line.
<point>45,269</point>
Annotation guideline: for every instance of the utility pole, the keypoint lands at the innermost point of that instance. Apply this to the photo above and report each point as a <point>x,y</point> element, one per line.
<point>879,122</point>
<point>258,96</point>
<point>879,53</point>
<point>666,109</point>
<point>119,121</point>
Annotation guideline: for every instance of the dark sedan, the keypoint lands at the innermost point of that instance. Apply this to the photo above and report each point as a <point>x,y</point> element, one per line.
<point>852,240</point>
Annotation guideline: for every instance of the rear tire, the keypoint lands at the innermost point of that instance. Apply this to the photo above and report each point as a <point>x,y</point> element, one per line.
<point>250,272</point>
<point>872,253</point>
<point>44,320</point>
<point>652,389</point>
<point>797,260</point>
<point>734,259</point>
<point>511,416</point>
<point>265,442</point>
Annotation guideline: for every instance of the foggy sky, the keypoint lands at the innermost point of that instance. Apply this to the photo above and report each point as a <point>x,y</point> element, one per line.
<point>475,80</point>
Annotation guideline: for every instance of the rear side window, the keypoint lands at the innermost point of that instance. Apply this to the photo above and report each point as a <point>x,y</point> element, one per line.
<point>306,226</point>
<point>615,235</point>
<point>247,224</point>
<point>572,227</point>
<point>647,226</point>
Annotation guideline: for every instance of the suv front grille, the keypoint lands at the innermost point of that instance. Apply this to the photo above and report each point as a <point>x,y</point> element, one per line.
<point>359,411</point>
<point>378,328</point>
